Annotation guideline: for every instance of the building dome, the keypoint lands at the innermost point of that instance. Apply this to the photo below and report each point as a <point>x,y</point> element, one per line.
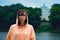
<point>45,12</point>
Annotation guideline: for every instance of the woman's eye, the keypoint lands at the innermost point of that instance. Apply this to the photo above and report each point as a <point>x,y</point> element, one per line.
<point>21,15</point>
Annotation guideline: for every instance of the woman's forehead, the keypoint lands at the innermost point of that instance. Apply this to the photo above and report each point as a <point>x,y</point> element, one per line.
<point>22,12</point>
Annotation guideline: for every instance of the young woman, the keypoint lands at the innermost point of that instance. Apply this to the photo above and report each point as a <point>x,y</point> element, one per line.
<point>21,30</point>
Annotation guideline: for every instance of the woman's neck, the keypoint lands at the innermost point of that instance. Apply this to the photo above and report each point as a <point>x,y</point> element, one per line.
<point>22,24</point>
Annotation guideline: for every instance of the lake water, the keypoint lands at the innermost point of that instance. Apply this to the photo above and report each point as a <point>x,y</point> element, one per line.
<point>39,36</point>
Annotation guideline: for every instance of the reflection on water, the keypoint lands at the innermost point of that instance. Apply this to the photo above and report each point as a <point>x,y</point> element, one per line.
<point>48,36</point>
<point>39,36</point>
<point>43,36</point>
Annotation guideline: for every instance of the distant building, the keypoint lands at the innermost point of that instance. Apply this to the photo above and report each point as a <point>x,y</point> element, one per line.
<point>45,12</point>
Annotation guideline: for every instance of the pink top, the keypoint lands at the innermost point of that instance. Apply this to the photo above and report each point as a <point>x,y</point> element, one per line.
<point>21,33</point>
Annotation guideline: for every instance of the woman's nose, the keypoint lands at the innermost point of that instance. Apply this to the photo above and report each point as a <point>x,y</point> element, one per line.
<point>21,16</point>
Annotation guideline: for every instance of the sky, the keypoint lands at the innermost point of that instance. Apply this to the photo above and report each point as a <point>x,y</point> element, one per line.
<point>30,3</point>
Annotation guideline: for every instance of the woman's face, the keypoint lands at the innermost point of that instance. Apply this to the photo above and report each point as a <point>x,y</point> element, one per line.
<point>22,16</point>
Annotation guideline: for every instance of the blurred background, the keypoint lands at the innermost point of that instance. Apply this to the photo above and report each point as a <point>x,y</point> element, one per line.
<point>44,15</point>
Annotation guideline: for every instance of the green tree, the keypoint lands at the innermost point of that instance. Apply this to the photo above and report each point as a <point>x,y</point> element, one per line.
<point>55,17</point>
<point>34,16</point>
<point>8,15</point>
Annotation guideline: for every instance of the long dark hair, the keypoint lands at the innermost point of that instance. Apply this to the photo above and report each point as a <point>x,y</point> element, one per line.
<point>21,12</point>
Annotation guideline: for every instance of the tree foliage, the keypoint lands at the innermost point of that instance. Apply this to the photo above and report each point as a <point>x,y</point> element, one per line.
<point>55,17</point>
<point>8,15</point>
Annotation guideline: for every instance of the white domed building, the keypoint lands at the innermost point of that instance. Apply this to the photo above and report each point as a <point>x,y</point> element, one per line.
<point>45,12</point>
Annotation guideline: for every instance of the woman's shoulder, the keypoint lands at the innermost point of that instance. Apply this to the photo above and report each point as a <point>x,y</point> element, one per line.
<point>13,25</point>
<point>30,26</point>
